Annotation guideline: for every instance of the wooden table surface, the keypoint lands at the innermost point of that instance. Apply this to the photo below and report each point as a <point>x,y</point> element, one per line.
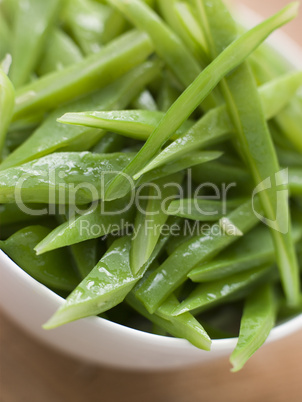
<point>31,372</point>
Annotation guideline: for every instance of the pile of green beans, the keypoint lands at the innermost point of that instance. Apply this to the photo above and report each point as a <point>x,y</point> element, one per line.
<point>151,165</point>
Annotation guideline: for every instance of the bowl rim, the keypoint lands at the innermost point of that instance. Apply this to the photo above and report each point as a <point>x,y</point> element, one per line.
<point>293,53</point>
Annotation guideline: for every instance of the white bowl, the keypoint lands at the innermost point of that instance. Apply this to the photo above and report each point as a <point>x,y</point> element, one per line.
<point>94,339</point>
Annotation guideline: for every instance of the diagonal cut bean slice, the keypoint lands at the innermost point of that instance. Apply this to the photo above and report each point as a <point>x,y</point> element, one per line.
<point>106,285</point>
<point>259,316</point>
<point>174,270</point>
<point>61,178</point>
<point>210,294</point>
<point>230,58</point>
<point>52,136</point>
<point>254,249</point>
<point>137,124</point>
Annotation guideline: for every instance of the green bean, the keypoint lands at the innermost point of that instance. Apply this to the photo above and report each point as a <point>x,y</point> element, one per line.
<point>33,21</point>
<point>144,101</point>
<point>174,270</point>
<point>106,285</point>
<point>185,326</point>
<point>7,102</point>
<point>186,16</point>
<point>151,218</point>
<point>216,125</point>
<point>86,19</point>
<point>53,269</point>
<point>270,64</point>
<point>259,316</point>
<point>230,58</point>
<point>207,295</point>
<point>137,124</point>
<point>170,14</point>
<point>202,209</point>
<point>254,249</point>
<point>94,72</point>
<point>52,136</point>
<point>255,143</point>
<point>60,52</point>
<point>62,178</point>
<point>93,224</point>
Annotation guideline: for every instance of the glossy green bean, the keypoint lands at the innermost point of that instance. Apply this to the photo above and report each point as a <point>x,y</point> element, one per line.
<point>105,286</point>
<point>32,25</point>
<point>174,270</point>
<point>254,249</point>
<point>230,58</point>
<point>92,224</point>
<point>61,178</point>
<point>52,136</point>
<point>94,72</point>
<point>60,52</point>
<point>254,142</point>
<point>259,316</point>
<point>53,269</point>
<point>137,124</point>
<point>207,295</point>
